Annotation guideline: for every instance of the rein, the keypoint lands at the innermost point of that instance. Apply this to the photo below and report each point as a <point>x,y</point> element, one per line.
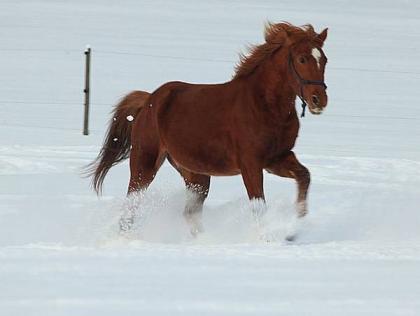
<point>303,82</point>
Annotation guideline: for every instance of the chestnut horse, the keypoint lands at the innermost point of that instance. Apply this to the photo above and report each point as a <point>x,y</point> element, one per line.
<point>243,126</point>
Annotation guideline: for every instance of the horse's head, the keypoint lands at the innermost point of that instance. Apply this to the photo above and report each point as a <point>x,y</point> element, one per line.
<point>306,63</point>
<point>298,52</point>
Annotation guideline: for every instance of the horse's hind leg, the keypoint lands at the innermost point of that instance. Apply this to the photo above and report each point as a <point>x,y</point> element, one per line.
<point>144,165</point>
<point>197,190</point>
<point>290,167</point>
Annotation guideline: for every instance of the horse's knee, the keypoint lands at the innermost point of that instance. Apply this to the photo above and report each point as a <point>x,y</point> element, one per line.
<point>304,175</point>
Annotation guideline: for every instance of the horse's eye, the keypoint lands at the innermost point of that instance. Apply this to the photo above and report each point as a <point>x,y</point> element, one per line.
<point>302,59</point>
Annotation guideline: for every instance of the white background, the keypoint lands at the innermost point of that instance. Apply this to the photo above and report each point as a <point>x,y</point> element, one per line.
<point>358,251</point>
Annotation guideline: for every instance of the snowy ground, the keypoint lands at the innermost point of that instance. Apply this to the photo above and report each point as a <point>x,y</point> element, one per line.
<point>359,249</point>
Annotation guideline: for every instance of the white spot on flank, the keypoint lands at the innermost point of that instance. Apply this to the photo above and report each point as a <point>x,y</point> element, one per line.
<point>130,118</point>
<point>115,139</point>
<point>317,55</point>
<point>150,104</point>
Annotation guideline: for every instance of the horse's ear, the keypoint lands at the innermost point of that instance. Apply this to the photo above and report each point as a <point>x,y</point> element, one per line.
<point>323,36</point>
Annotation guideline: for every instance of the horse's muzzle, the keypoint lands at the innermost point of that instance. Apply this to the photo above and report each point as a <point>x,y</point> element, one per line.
<point>317,101</point>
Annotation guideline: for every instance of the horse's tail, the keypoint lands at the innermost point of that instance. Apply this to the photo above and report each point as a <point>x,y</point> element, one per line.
<point>117,144</point>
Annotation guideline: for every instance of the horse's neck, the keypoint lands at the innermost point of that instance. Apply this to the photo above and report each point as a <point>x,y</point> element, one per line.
<point>271,86</point>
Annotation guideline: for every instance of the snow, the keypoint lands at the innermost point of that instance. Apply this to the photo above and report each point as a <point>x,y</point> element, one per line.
<point>358,250</point>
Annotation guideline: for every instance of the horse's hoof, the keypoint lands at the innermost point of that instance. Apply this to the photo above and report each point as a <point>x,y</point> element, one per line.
<point>291,238</point>
<point>302,214</point>
<point>301,208</point>
<point>126,224</point>
<point>196,230</point>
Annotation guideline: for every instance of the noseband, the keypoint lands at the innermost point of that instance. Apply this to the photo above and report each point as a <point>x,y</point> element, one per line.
<point>303,82</point>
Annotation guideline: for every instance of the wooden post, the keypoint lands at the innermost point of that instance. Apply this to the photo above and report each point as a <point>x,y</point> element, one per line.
<point>87,91</point>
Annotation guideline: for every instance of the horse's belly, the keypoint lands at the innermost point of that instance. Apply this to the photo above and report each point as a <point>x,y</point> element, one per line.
<point>204,158</point>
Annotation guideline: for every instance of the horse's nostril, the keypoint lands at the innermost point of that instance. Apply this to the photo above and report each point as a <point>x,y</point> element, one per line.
<point>315,99</point>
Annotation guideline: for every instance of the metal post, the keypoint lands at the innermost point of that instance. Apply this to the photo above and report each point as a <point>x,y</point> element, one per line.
<point>87,91</point>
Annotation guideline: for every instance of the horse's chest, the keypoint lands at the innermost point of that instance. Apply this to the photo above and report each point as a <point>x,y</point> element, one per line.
<point>276,141</point>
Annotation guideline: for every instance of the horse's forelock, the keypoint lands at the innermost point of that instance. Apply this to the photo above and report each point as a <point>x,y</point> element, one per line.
<point>276,35</point>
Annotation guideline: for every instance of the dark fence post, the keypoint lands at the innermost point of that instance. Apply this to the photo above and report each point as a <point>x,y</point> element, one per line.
<point>87,92</point>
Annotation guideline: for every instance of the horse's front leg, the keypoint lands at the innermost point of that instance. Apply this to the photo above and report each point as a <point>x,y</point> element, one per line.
<point>252,176</point>
<point>197,190</point>
<point>290,167</point>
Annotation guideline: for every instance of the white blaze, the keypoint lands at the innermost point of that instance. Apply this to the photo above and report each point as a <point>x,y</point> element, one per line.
<point>317,55</point>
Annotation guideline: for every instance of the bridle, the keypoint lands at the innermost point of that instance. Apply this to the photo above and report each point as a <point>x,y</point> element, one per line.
<point>303,82</point>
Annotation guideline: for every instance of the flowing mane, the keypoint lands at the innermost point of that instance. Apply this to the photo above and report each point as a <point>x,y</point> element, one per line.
<point>275,36</point>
